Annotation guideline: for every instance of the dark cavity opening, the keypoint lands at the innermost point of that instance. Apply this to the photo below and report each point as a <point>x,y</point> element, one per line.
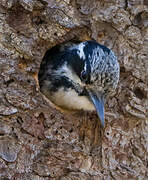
<point>139,94</point>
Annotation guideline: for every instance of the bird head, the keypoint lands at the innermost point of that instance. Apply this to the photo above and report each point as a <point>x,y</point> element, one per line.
<point>95,72</point>
<point>90,69</point>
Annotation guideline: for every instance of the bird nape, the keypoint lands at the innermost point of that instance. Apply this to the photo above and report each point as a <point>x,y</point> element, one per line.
<point>78,76</point>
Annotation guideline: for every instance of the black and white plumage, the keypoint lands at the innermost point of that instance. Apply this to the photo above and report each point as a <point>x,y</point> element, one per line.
<point>79,76</point>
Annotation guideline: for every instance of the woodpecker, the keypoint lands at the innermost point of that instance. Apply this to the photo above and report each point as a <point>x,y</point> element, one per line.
<point>79,76</point>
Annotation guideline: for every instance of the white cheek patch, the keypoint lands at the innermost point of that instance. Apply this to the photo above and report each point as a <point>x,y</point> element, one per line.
<point>69,99</point>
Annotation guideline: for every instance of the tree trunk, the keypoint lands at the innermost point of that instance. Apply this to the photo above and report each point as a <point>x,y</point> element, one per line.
<point>39,142</point>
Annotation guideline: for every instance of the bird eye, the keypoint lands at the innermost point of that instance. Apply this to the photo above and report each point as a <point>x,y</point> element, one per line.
<point>84,75</point>
<point>107,80</point>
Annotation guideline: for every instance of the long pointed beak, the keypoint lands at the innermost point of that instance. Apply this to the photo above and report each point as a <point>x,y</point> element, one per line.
<point>98,101</point>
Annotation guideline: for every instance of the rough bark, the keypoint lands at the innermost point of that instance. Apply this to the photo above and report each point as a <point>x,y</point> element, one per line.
<point>37,141</point>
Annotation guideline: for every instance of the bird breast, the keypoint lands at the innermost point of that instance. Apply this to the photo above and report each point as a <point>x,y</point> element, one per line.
<point>70,99</point>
